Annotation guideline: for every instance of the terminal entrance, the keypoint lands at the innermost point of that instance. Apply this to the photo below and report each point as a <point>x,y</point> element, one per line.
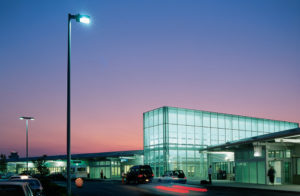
<point>283,171</point>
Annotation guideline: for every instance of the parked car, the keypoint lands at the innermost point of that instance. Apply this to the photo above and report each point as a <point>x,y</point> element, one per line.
<point>19,177</point>
<point>9,188</point>
<point>139,174</point>
<point>174,176</point>
<point>34,184</point>
<point>7,175</point>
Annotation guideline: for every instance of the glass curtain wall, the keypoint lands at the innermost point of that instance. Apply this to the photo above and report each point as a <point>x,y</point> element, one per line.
<point>173,136</point>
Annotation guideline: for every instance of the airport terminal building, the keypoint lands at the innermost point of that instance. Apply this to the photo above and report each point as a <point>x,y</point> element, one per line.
<point>176,138</point>
<point>239,148</point>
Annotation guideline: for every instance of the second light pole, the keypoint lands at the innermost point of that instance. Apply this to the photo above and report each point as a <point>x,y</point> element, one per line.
<point>84,19</point>
<point>26,118</point>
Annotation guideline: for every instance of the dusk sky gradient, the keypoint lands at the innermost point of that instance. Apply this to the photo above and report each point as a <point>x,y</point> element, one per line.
<point>238,57</point>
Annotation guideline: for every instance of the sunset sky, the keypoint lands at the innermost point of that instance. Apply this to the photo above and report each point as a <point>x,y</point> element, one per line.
<point>238,57</point>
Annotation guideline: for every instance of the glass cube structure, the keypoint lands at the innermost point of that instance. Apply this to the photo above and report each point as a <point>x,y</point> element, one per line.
<point>173,136</point>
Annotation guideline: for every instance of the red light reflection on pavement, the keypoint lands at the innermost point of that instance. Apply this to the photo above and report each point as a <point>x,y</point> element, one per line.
<point>176,190</point>
<point>190,188</point>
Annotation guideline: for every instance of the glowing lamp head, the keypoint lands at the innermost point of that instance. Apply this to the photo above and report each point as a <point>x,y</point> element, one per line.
<point>26,118</point>
<point>83,19</point>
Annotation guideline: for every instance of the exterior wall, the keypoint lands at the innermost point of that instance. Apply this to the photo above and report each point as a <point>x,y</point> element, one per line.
<point>173,136</point>
<point>250,169</point>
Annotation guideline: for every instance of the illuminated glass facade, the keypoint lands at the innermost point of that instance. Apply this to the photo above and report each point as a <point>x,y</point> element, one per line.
<point>173,136</point>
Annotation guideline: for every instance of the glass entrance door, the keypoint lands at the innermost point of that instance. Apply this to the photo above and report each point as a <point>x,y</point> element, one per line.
<point>287,172</point>
<point>278,171</point>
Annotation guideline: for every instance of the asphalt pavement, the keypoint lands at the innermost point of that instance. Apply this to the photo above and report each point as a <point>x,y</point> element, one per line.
<point>110,188</point>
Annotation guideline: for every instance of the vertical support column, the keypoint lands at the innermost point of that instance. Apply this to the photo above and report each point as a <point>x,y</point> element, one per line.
<point>165,150</point>
<point>69,109</point>
<point>27,146</point>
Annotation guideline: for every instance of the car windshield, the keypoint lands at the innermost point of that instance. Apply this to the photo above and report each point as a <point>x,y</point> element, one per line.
<point>146,170</point>
<point>9,190</point>
<point>31,182</point>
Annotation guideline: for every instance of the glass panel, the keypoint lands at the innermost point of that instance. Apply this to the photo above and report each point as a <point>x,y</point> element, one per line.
<point>261,172</point>
<point>206,119</point>
<point>235,122</point>
<point>260,125</point>
<point>253,172</point>
<point>146,136</point>
<point>221,136</point>
<point>242,123</point>
<point>228,122</point>
<point>245,172</point>
<point>214,134</point>
<point>198,135</point>
<point>181,117</point>
<point>228,135</point>
<point>298,166</point>
<point>181,134</point>
<point>150,118</point>
<point>160,118</point>
<point>173,133</point>
<point>272,126</point>
<point>235,134</point>
<point>281,126</point>
<point>161,134</point>
<point>172,116</point>
<point>248,134</point>
<point>190,118</point>
<point>155,116</point>
<point>277,126</point>
<point>214,120</point>
<point>221,121</point>
<point>146,119</point>
<point>151,140</point>
<point>295,125</point>
<point>286,126</point>
<point>173,155</point>
<point>155,135</point>
<point>181,155</point>
<point>190,135</point>
<point>248,124</point>
<point>198,118</point>
<point>206,136</point>
<point>266,126</point>
<point>242,135</point>
<point>254,124</point>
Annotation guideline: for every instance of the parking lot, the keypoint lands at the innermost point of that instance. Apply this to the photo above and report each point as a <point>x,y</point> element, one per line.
<point>110,187</point>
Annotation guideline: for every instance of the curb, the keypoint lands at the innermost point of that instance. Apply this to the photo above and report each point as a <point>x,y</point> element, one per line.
<point>216,187</point>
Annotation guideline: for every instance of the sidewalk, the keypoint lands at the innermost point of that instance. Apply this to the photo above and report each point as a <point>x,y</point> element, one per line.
<point>231,184</point>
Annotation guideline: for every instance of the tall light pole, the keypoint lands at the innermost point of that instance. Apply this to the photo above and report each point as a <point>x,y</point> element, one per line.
<point>84,19</point>
<point>26,118</point>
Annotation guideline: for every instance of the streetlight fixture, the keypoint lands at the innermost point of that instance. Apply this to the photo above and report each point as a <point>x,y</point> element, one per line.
<point>26,118</point>
<point>83,19</point>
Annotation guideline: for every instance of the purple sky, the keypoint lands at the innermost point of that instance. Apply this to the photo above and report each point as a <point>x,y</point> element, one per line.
<point>239,57</point>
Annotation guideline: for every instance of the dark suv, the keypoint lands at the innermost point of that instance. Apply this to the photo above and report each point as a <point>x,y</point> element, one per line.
<point>139,174</point>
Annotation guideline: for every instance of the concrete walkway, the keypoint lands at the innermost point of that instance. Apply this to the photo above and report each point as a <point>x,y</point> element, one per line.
<point>232,184</point>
